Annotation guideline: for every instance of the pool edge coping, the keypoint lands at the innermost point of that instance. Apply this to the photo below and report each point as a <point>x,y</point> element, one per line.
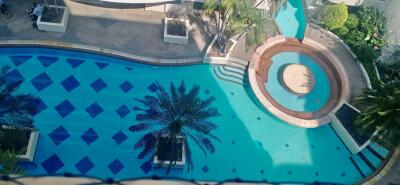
<point>101,51</point>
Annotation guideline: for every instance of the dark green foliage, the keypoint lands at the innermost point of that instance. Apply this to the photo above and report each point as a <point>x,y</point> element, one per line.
<point>382,113</point>
<point>355,38</point>
<point>15,109</point>
<point>334,16</point>
<point>365,53</point>
<point>168,117</point>
<point>352,21</point>
<point>14,139</point>
<point>389,72</point>
<point>373,23</point>
<point>9,163</point>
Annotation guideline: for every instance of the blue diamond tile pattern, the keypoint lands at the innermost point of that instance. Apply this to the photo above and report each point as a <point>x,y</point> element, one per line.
<point>119,137</point>
<point>153,87</point>
<point>14,76</point>
<point>89,136</point>
<point>52,164</point>
<point>70,83</point>
<point>123,111</point>
<point>74,63</point>
<point>146,167</point>
<point>84,165</point>
<point>205,169</point>
<point>98,85</point>
<point>40,106</point>
<point>94,110</point>
<point>101,65</point>
<point>18,60</point>
<point>41,81</point>
<point>65,108</point>
<point>126,86</point>
<point>59,135</point>
<point>47,60</point>
<point>115,166</point>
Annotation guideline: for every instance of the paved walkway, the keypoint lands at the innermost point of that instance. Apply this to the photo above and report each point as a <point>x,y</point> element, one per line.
<point>356,78</point>
<point>132,31</point>
<point>393,176</point>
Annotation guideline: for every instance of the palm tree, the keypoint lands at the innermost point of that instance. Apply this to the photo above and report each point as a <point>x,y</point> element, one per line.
<point>275,5</point>
<point>15,109</point>
<point>170,117</point>
<point>382,113</point>
<point>233,17</point>
<point>9,163</point>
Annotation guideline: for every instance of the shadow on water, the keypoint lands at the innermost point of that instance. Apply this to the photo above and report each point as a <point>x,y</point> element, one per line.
<point>238,155</point>
<point>251,149</point>
<point>253,98</point>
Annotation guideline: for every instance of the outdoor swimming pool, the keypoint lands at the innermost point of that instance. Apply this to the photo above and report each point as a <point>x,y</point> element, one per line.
<point>312,101</point>
<point>291,19</point>
<point>86,111</point>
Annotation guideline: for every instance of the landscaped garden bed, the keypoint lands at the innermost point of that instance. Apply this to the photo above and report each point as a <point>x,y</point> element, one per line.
<point>362,28</point>
<point>216,51</point>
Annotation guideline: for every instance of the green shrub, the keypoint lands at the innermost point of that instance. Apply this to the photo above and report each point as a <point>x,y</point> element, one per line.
<point>334,16</point>
<point>342,31</point>
<point>355,38</point>
<point>13,139</point>
<point>372,21</point>
<point>366,54</point>
<point>352,21</point>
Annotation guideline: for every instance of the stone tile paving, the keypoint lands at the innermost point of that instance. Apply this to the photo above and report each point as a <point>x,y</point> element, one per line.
<point>393,176</point>
<point>128,30</point>
<point>357,80</point>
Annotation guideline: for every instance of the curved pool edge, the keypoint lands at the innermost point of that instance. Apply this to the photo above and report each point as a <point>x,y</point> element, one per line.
<point>255,84</point>
<point>101,51</point>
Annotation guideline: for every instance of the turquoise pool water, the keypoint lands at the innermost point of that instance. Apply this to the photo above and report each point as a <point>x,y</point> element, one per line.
<point>310,102</point>
<point>86,111</point>
<point>291,19</point>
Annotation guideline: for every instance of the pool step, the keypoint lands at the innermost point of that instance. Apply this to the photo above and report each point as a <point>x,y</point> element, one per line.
<point>231,74</point>
<point>369,159</point>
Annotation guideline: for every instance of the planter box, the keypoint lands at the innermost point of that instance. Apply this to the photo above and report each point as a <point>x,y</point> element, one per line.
<point>21,141</point>
<point>31,149</point>
<point>179,156</point>
<point>59,25</point>
<point>175,35</point>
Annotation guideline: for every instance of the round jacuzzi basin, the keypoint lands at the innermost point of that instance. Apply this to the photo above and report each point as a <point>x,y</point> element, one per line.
<point>297,82</point>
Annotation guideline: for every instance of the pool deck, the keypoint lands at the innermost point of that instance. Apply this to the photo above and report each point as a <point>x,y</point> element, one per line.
<point>357,81</point>
<point>132,31</point>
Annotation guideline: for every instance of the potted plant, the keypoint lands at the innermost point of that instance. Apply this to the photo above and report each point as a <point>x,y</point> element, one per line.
<point>235,19</point>
<point>177,30</point>
<point>171,120</point>
<point>54,18</point>
<point>17,133</point>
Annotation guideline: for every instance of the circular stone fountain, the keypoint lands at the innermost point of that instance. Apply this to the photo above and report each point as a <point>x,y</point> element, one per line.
<point>299,81</point>
<point>297,78</point>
